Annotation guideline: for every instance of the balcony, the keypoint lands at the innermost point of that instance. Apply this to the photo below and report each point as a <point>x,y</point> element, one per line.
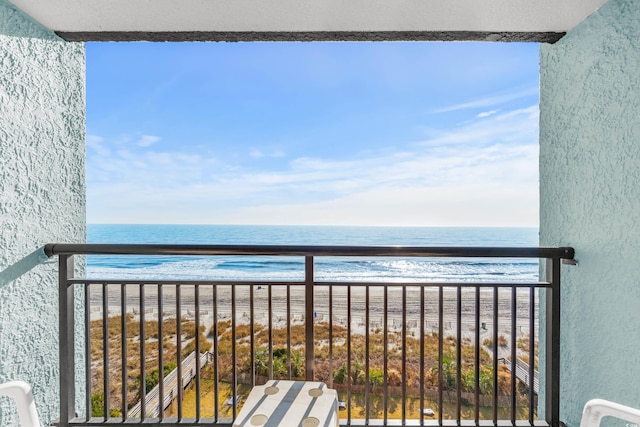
<point>421,352</point>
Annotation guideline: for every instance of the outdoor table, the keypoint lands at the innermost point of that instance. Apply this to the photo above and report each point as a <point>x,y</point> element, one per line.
<point>291,404</point>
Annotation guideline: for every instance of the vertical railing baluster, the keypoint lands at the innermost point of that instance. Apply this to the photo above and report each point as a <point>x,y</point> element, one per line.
<point>160,353</point>
<point>66,328</point>
<point>309,310</point>
<point>123,349</point>
<point>349,355</point>
<point>552,323</point>
<point>179,348</point>
<point>270,328</point>
<point>422,355</point>
<point>330,336</point>
<point>234,353</point>
<point>105,351</point>
<point>477,359</point>
<point>514,360</point>
<point>289,330</point>
<point>216,366</point>
<point>196,296</point>
<point>366,356</point>
<point>87,346</point>
<point>532,315</point>
<point>385,351</point>
<point>143,358</point>
<point>440,351</point>
<point>459,355</point>
<point>405,376</point>
<point>252,334</point>
<point>495,354</point>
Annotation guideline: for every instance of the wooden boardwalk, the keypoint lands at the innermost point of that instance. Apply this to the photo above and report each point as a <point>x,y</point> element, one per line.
<point>522,373</point>
<point>152,408</point>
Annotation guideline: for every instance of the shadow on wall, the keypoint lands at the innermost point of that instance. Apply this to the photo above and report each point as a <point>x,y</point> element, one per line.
<point>22,266</point>
<point>15,23</point>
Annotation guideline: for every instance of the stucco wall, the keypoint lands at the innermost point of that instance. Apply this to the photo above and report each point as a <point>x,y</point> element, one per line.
<point>590,199</point>
<point>42,195</point>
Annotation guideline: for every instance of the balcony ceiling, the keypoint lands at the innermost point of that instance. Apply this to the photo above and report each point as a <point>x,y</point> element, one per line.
<point>176,20</point>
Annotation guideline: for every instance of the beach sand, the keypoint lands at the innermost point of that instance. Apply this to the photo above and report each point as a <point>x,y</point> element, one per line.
<point>274,301</point>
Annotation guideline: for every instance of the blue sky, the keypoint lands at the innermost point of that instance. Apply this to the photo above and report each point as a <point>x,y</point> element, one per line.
<point>427,134</point>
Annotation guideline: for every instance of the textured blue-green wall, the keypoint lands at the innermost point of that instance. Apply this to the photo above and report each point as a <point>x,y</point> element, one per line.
<point>590,199</point>
<point>42,196</point>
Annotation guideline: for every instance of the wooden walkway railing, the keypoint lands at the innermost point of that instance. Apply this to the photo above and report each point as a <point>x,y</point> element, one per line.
<point>152,407</point>
<point>522,373</point>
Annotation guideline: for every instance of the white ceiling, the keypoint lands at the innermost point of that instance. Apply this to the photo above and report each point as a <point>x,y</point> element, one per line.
<point>484,16</point>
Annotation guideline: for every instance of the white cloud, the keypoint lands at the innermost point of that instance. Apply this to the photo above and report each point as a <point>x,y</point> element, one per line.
<point>446,205</point>
<point>489,101</point>
<point>94,139</point>
<point>147,140</point>
<point>486,114</point>
<point>484,172</point>
<point>258,154</point>
<point>442,206</point>
<point>94,142</point>
<point>517,126</point>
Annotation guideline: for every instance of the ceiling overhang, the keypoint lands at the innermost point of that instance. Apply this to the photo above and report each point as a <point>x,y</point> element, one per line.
<point>251,20</point>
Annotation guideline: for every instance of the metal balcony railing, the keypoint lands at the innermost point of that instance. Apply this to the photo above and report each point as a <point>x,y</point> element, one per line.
<point>414,353</point>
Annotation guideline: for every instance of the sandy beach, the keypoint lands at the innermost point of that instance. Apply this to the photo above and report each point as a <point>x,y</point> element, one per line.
<point>338,302</point>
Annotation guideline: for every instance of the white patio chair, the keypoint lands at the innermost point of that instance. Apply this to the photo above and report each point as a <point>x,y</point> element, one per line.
<point>596,409</point>
<point>21,393</point>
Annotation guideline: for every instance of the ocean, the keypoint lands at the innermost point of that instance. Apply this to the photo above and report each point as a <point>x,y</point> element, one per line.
<point>330,268</point>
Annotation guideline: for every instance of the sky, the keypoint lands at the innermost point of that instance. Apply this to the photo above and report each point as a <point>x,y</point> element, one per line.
<point>393,134</point>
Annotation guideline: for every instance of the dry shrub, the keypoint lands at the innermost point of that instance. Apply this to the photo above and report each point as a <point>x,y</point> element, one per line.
<point>502,341</point>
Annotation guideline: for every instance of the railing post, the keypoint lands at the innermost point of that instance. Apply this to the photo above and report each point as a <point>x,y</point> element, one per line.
<point>66,333</point>
<point>309,318</point>
<point>552,347</point>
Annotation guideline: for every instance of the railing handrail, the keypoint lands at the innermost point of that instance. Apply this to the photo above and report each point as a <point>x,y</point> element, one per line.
<point>567,253</point>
